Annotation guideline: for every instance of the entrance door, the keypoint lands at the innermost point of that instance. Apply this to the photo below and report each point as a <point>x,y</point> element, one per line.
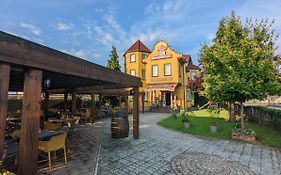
<point>168,98</point>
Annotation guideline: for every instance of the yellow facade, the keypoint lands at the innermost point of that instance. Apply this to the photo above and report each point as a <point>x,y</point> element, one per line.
<point>164,75</point>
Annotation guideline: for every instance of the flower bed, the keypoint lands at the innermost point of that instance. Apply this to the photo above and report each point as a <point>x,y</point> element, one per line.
<point>246,135</point>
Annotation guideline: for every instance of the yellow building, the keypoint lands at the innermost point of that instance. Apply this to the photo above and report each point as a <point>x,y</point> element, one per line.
<point>164,73</point>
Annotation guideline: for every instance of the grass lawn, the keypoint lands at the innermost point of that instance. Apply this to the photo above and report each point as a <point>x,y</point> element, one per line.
<point>201,119</point>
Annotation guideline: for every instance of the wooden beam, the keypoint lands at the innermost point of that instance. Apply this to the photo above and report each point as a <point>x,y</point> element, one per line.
<point>93,107</point>
<point>46,105</point>
<point>74,104</point>
<point>136,114</point>
<point>30,122</point>
<point>65,102</point>
<point>22,52</point>
<point>4,87</point>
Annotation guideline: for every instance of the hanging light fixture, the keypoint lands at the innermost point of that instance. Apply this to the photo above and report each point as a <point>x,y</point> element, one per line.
<point>47,83</point>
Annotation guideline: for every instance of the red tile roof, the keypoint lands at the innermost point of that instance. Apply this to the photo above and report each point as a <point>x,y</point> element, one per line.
<point>192,67</point>
<point>138,46</point>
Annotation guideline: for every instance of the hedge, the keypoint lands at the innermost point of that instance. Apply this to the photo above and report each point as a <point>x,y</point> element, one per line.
<point>264,116</point>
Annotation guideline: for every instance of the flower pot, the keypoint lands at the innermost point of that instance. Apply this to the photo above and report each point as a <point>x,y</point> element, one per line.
<point>213,128</point>
<point>186,124</point>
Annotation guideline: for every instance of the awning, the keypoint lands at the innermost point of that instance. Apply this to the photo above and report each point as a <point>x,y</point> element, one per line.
<point>161,87</point>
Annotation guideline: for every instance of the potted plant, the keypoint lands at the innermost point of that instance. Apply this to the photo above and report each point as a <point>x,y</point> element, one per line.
<point>185,120</point>
<point>183,116</point>
<point>174,115</point>
<point>213,126</point>
<point>214,115</point>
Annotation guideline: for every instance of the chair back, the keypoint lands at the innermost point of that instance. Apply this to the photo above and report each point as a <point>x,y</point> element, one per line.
<point>52,126</point>
<point>77,121</point>
<point>56,142</point>
<point>88,114</point>
<point>62,115</point>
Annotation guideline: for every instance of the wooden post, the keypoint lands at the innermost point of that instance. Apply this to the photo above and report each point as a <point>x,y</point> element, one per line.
<point>4,87</point>
<point>65,102</point>
<point>100,101</point>
<point>74,104</point>
<point>126,106</point>
<point>136,114</point>
<point>142,102</point>
<point>46,105</point>
<point>30,122</point>
<point>93,107</point>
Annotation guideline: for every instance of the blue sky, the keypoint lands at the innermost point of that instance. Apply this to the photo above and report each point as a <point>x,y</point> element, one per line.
<point>88,28</point>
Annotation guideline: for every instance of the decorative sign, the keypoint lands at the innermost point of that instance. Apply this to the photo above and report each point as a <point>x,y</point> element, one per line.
<point>161,87</point>
<point>162,79</point>
<point>161,53</point>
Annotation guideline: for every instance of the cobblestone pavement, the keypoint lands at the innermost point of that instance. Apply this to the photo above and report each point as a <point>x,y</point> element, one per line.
<point>82,154</point>
<point>157,147</point>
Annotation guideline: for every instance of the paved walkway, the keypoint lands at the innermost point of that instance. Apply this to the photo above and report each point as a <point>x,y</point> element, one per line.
<point>82,152</point>
<point>162,151</point>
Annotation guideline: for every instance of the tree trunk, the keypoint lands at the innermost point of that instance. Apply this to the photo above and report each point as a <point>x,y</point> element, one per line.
<point>231,111</point>
<point>242,115</point>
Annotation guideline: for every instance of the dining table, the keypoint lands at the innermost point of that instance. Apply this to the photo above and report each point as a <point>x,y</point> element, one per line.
<point>46,135</point>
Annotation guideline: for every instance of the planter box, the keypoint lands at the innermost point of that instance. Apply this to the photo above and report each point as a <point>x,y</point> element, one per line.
<point>243,137</point>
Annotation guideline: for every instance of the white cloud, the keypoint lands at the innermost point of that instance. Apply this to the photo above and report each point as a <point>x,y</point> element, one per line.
<point>110,19</point>
<point>104,37</point>
<point>35,30</point>
<point>63,26</point>
<point>96,55</point>
<point>172,11</point>
<point>77,53</point>
<point>211,36</point>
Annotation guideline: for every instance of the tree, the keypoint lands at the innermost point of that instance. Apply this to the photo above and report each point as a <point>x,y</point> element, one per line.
<point>113,62</point>
<point>238,64</point>
<point>196,86</point>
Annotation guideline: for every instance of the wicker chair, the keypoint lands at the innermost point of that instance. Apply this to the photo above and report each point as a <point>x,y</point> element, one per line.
<point>55,143</point>
<point>15,134</point>
<point>52,126</point>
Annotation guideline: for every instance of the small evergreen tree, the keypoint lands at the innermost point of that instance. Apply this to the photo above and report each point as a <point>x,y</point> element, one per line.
<point>113,62</point>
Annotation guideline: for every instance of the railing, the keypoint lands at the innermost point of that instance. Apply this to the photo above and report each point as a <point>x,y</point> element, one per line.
<point>264,116</point>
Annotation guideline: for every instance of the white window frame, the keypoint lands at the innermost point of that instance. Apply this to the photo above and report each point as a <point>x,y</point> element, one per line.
<point>170,71</point>
<point>192,75</point>
<point>132,58</point>
<point>131,72</point>
<point>153,73</point>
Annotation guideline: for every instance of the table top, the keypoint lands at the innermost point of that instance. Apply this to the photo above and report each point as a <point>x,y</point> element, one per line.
<point>44,135</point>
<point>11,149</point>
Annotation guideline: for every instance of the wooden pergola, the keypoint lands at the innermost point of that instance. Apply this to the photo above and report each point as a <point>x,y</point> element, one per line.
<point>25,65</point>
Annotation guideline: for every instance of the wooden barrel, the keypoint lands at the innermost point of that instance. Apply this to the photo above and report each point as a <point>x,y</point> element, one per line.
<point>119,125</point>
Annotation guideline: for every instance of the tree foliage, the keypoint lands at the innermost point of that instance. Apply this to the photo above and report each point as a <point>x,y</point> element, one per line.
<point>113,62</point>
<point>238,65</point>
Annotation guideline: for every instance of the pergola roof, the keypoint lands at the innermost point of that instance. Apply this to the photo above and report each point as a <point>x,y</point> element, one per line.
<point>65,71</point>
